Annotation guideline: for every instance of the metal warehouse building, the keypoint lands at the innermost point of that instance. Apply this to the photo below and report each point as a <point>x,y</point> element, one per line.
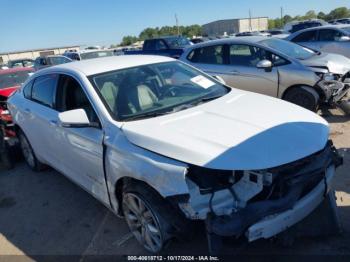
<point>234,26</point>
<point>5,57</point>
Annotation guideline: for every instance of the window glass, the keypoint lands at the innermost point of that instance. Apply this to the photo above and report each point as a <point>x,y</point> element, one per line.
<point>27,90</point>
<point>309,36</point>
<point>208,55</point>
<point>160,45</point>
<point>70,96</point>
<point>329,35</point>
<point>245,55</point>
<point>44,88</point>
<point>13,79</point>
<point>149,45</point>
<point>96,54</point>
<point>149,90</point>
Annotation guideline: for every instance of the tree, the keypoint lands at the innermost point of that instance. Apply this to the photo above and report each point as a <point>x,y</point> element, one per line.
<point>321,15</point>
<point>287,19</point>
<point>128,40</point>
<point>340,12</point>
<point>310,15</point>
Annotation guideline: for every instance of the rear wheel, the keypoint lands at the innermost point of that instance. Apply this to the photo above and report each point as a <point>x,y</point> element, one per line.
<point>28,153</point>
<point>303,96</point>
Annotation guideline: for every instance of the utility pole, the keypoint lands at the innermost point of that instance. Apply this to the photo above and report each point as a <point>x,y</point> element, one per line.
<point>282,22</point>
<point>250,20</point>
<point>177,24</point>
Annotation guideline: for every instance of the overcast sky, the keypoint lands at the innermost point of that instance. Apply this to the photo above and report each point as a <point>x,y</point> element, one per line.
<point>27,24</point>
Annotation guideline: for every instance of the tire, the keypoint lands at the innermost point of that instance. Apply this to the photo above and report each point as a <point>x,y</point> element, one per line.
<point>28,153</point>
<point>145,213</point>
<point>303,96</point>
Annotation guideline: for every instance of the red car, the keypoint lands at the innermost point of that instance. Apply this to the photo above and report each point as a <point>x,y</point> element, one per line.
<point>10,80</point>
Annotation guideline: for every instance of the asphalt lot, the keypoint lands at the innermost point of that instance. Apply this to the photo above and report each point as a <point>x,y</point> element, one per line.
<point>46,214</point>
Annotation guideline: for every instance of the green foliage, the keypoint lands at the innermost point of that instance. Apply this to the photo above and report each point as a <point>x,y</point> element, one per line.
<point>341,12</point>
<point>187,31</point>
<point>128,40</point>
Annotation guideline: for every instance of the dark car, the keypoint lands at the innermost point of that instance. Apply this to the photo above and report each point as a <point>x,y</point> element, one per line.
<point>42,62</point>
<point>172,46</point>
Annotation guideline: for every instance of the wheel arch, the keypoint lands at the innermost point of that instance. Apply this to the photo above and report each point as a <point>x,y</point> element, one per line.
<point>318,90</point>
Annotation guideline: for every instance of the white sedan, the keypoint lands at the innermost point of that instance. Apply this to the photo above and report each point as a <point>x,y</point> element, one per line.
<point>162,143</point>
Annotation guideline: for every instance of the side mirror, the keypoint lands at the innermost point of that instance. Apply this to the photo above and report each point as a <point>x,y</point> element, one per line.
<point>74,119</point>
<point>220,79</point>
<point>264,64</point>
<point>344,38</point>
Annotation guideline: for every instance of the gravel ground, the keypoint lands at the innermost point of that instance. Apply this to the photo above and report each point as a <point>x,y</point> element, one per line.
<point>46,214</point>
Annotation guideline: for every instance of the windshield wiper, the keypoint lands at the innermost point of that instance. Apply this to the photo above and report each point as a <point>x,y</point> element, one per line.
<point>146,115</point>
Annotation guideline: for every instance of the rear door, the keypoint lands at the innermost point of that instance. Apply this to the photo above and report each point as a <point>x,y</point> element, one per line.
<point>39,121</point>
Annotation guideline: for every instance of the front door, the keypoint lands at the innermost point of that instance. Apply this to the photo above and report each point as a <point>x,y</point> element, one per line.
<point>80,149</point>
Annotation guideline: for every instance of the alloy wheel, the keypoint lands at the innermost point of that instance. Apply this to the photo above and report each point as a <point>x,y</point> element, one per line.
<point>142,222</point>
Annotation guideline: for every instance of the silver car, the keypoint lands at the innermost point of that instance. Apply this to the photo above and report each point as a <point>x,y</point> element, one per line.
<point>331,39</point>
<point>274,67</point>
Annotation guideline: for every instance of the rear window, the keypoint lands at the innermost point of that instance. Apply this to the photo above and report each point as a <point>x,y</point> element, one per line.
<point>13,79</point>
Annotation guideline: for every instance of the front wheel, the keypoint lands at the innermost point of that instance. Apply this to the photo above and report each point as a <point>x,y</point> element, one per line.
<point>303,96</point>
<point>143,211</point>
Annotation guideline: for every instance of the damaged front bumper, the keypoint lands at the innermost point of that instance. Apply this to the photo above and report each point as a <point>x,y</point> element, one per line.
<point>305,188</point>
<point>335,90</point>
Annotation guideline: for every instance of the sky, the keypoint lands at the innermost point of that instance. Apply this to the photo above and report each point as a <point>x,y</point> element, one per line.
<point>28,24</point>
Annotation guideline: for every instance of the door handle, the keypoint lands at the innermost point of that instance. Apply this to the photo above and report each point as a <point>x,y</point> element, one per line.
<point>53,122</point>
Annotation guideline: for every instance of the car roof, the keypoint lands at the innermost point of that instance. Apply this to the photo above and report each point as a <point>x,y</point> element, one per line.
<point>15,70</point>
<point>330,26</point>
<point>236,39</point>
<point>105,64</point>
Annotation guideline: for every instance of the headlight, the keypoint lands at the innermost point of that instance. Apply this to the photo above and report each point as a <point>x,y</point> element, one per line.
<point>328,77</point>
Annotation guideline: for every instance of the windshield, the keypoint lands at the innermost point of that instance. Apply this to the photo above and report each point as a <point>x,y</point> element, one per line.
<point>288,48</point>
<point>13,79</point>
<point>177,42</point>
<point>151,90</point>
<point>97,54</point>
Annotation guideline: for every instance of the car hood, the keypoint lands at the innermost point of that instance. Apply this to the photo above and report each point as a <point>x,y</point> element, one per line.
<point>6,92</point>
<point>336,64</point>
<point>239,131</point>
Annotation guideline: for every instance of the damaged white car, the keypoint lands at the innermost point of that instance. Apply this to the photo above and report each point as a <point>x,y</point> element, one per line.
<point>162,143</point>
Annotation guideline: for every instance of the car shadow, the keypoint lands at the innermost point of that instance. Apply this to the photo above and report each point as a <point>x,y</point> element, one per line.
<point>334,115</point>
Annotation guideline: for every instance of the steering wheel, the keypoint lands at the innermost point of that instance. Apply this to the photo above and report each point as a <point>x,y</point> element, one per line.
<point>171,90</point>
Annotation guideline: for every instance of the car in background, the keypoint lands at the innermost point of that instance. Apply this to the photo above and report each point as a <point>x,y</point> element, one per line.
<point>253,33</point>
<point>340,21</point>
<point>295,26</point>
<point>88,54</point>
<point>166,146</point>
<point>273,31</point>
<point>274,67</point>
<point>51,60</point>
<point>330,39</point>
<point>172,46</point>
<point>10,81</point>
<point>27,62</point>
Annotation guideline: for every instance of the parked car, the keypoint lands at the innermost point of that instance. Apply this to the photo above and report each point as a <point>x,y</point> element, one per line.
<point>51,60</point>
<point>331,39</point>
<point>171,46</point>
<point>254,33</point>
<point>88,54</point>
<point>162,144</point>
<point>295,26</point>
<point>274,67</point>
<point>340,21</point>
<point>10,80</point>
<point>273,31</point>
<point>27,62</point>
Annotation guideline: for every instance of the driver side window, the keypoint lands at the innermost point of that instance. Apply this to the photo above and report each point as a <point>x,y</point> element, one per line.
<point>70,96</point>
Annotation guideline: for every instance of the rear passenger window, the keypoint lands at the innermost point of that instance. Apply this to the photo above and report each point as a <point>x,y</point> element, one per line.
<point>44,89</point>
<point>309,36</point>
<point>329,35</point>
<point>208,55</point>
<point>27,90</point>
<point>245,55</point>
